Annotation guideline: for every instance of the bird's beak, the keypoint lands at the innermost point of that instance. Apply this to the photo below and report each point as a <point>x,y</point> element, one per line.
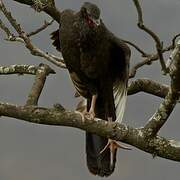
<point>97,22</point>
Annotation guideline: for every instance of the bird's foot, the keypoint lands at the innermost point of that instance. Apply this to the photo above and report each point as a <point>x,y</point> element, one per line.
<point>113,145</point>
<point>89,115</point>
<point>85,114</point>
<point>81,114</point>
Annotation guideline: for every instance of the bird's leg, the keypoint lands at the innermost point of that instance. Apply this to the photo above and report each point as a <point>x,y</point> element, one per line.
<point>91,113</point>
<point>93,104</point>
<point>113,145</point>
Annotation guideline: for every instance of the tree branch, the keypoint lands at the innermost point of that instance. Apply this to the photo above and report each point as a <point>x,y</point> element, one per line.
<point>162,114</point>
<point>148,86</point>
<point>25,39</point>
<point>41,74</point>
<point>18,69</point>
<point>174,40</point>
<point>49,7</point>
<point>148,61</point>
<point>44,26</point>
<point>134,136</point>
<point>4,28</point>
<point>166,107</point>
<point>143,53</point>
<point>145,138</point>
<point>159,45</point>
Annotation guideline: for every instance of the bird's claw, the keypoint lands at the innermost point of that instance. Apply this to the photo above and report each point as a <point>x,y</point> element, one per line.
<point>113,145</point>
<point>89,115</point>
<point>81,114</point>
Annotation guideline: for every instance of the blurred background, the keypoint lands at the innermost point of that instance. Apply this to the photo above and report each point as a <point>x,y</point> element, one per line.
<point>38,152</point>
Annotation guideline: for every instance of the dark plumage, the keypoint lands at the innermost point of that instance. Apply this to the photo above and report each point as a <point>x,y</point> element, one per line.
<point>56,40</point>
<point>98,64</point>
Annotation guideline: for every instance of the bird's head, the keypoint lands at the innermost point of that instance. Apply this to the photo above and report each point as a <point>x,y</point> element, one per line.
<point>91,14</point>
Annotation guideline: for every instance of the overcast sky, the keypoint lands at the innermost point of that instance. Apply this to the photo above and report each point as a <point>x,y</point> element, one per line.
<point>30,151</point>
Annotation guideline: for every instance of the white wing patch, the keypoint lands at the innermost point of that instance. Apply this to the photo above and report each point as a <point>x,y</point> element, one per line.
<point>120,97</point>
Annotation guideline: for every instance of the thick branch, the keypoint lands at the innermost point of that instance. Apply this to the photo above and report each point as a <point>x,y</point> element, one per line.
<point>137,137</point>
<point>144,138</point>
<point>41,74</point>
<point>148,86</point>
<point>162,114</point>
<point>166,107</point>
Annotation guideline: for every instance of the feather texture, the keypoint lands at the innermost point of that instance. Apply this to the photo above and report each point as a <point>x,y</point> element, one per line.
<point>120,98</point>
<point>98,64</point>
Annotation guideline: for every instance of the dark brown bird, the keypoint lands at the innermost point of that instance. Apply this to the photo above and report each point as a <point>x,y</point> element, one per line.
<point>98,64</point>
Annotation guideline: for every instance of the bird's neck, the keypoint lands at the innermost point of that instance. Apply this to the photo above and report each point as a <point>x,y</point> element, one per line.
<point>88,35</point>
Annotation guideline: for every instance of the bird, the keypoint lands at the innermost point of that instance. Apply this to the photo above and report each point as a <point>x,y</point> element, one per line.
<point>98,65</point>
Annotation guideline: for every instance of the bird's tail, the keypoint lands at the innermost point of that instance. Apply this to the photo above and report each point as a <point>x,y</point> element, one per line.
<point>103,164</point>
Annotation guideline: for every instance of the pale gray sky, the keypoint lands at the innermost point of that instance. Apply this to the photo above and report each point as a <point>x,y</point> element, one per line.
<point>38,152</point>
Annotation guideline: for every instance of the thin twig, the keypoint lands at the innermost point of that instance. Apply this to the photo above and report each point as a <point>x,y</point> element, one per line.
<point>4,28</point>
<point>50,8</point>
<point>22,35</point>
<point>147,61</point>
<point>44,26</point>
<point>159,45</point>
<point>144,54</point>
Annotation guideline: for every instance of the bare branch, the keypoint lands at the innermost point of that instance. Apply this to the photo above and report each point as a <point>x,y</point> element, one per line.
<point>49,7</point>
<point>166,107</point>
<point>175,69</point>
<point>144,54</point>
<point>148,61</point>
<point>44,26</point>
<point>23,37</point>
<point>18,69</point>
<point>148,86</point>
<point>159,45</point>
<point>59,117</point>
<point>41,74</point>
<point>174,40</point>
<point>4,28</point>
<point>145,138</point>
<point>162,114</point>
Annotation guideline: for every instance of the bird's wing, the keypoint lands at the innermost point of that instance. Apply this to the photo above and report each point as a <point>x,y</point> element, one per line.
<point>55,36</point>
<point>56,39</point>
<point>120,54</point>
